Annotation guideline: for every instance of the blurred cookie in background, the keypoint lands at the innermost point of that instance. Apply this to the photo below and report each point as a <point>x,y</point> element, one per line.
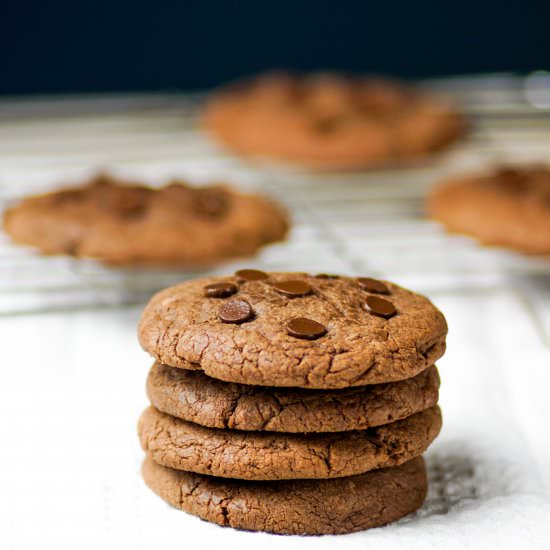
<point>330,121</point>
<point>125,223</point>
<point>508,207</point>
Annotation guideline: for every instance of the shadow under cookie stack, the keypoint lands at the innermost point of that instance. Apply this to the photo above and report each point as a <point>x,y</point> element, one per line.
<point>291,403</point>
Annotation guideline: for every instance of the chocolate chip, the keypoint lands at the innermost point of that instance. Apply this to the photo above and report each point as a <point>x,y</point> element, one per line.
<point>326,276</point>
<point>220,290</point>
<point>373,285</point>
<point>69,195</point>
<point>124,201</point>
<point>177,191</point>
<point>133,210</point>
<point>508,172</point>
<point>326,125</point>
<point>210,202</point>
<point>293,288</point>
<point>512,179</point>
<point>301,327</point>
<point>235,311</point>
<point>380,307</point>
<point>250,275</point>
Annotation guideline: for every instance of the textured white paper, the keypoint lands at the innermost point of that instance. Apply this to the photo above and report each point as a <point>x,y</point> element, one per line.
<point>73,387</point>
<point>72,378</point>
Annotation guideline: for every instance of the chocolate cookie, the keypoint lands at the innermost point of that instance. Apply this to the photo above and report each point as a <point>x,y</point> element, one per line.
<point>292,329</point>
<point>509,207</point>
<point>122,223</point>
<point>331,121</point>
<point>297,507</point>
<point>193,396</point>
<point>266,455</point>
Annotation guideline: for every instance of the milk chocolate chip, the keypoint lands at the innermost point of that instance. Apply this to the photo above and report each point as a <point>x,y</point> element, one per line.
<point>326,125</point>
<point>326,276</point>
<point>373,285</point>
<point>210,202</point>
<point>301,327</point>
<point>250,275</point>
<point>235,311</point>
<point>220,290</point>
<point>380,307</point>
<point>293,288</point>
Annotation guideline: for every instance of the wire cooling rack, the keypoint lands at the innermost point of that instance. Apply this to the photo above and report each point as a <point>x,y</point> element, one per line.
<point>358,223</point>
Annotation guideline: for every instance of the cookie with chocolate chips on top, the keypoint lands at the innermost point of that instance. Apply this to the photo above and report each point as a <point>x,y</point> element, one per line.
<point>294,329</point>
<point>509,207</point>
<point>123,223</point>
<point>331,121</point>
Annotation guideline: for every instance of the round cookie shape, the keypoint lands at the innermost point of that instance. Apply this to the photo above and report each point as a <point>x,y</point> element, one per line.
<point>195,397</point>
<point>331,121</point>
<point>341,344</point>
<point>182,445</point>
<point>124,223</point>
<point>509,207</point>
<point>297,507</point>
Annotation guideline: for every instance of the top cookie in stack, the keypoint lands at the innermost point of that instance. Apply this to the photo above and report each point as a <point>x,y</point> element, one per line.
<point>305,386</point>
<point>293,329</point>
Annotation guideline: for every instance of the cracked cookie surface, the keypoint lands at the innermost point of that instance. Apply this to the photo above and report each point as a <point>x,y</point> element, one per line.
<point>297,507</point>
<point>340,336</point>
<point>195,397</point>
<point>182,445</point>
<point>122,223</point>
<point>331,121</point>
<point>509,207</point>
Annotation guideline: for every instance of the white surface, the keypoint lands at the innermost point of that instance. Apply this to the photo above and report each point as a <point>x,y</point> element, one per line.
<point>72,384</point>
<point>72,390</point>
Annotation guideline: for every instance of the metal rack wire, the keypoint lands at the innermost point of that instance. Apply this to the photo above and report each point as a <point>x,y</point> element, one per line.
<point>371,223</point>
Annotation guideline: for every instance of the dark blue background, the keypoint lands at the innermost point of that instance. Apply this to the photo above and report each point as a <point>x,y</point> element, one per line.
<point>70,46</point>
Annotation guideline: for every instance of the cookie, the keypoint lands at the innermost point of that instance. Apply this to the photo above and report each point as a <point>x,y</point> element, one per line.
<point>331,121</point>
<point>509,207</point>
<point>186,446</point>
<point>293,329</point>
<point>195,397</point>
<point>130,224</point>
<point>297,507</point>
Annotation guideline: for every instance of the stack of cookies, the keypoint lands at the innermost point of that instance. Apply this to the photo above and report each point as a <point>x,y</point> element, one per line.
<point>291,403</point>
